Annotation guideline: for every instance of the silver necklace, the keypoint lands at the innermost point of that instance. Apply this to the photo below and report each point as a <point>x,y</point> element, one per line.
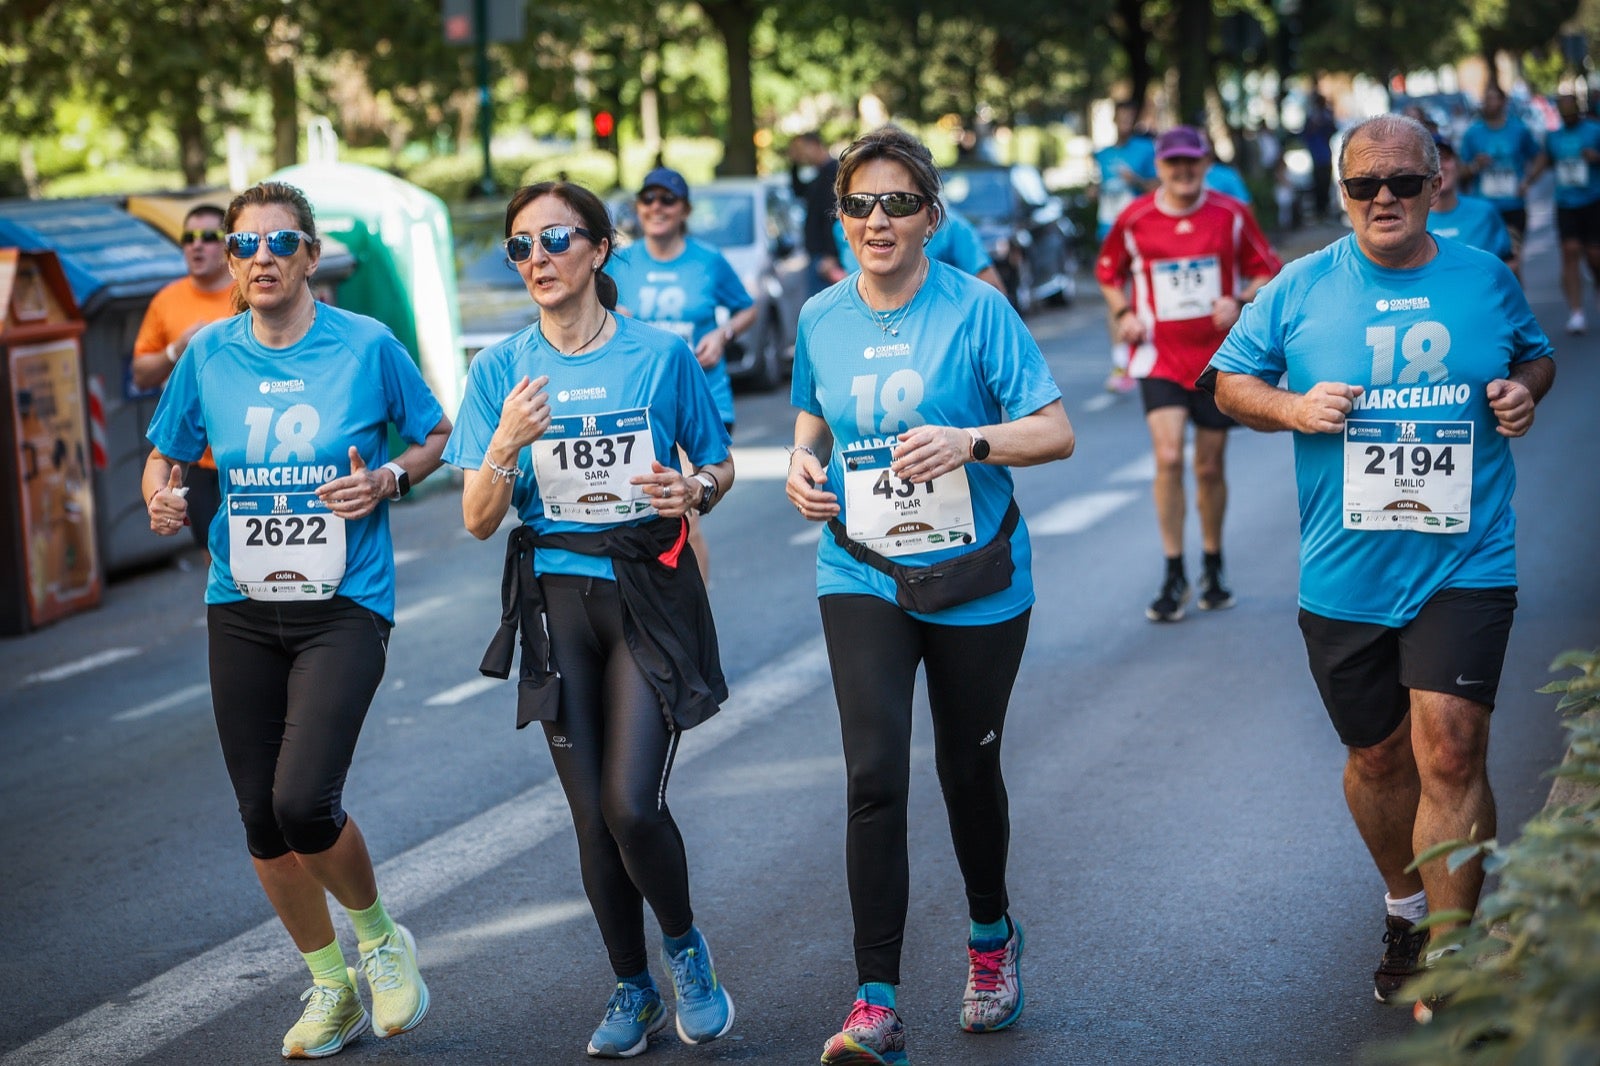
<point>604,318</point>
<point>889,322</point>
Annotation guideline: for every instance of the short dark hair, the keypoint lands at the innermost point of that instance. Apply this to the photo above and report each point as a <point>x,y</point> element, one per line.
<point>207,209</point>
<point>590,208</point>
<point>897,146</point>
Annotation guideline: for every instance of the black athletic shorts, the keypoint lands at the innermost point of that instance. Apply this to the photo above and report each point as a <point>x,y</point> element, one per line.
<point>1516,220</point>
<point>1580,224</point>
<point>1456,645</point>
<point>1202,406</point>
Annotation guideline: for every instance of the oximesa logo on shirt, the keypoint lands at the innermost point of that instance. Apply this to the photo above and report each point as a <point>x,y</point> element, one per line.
<point>1404,303</point>
<point>886,351</point>
<point>292,385</point>
<point>592,392</point>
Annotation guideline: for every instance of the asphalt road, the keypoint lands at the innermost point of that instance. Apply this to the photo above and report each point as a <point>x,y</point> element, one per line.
<point>1190,883</point>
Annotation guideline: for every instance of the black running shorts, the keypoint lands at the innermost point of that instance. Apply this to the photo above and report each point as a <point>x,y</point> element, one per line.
<point>1581,224</point>
<point>1202,406</point>
<point>1456,645</point>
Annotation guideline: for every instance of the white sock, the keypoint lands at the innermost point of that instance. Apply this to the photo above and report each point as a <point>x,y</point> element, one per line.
<point>1412,908</point>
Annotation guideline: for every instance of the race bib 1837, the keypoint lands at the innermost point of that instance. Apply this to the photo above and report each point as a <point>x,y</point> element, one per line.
<point>585,465</point>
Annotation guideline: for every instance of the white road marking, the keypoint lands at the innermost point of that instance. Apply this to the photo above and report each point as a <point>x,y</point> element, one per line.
<point>1099,402</point>
<point>760,464</point>
<point>82,666</point>
<point>1080,512</point>
<point>409,555</point>
<point>462,692</point>
<point>135,1024</point>
<point>422,608</point>
<point>809,535</point>
<point>166,703</point>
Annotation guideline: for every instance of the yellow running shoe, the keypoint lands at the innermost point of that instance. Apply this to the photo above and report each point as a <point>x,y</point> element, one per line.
<point>399,998</point>
<point>333,1017</point>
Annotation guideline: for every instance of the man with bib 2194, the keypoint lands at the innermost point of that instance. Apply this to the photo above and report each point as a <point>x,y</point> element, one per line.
<point>1407,365</point>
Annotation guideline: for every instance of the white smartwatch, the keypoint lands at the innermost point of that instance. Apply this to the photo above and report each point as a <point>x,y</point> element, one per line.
<point>402,480</point>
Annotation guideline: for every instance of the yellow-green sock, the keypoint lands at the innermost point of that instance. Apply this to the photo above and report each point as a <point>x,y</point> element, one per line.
<point>371,924</point>
<point>327,965</point>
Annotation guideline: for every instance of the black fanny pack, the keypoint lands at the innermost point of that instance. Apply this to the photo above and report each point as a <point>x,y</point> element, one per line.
<point>930,589</point>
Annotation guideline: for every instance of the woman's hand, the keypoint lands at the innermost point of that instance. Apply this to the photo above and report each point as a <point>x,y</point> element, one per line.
<point>928,451</point>
<point>672,494</point>
<point>356,494</point>
<point>169,510</point>
<point>524,416</point>
<point>806,472</point>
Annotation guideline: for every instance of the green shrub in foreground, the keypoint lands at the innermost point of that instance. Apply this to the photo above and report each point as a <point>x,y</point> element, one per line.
<point>1525,987</point>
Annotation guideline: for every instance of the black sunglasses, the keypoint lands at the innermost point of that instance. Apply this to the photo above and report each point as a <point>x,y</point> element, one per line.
<point>895,204</point>
<point>556,240</point>
<point>1404,186</point>
<point>282,243</point>
<point>204,236</point>
<point>662,197</point>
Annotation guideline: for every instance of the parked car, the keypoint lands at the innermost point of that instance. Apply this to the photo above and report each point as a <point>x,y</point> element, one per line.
<point>1027,231</point>
<point>756,224</point>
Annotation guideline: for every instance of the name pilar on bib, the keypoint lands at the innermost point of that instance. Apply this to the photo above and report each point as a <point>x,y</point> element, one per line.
<point>1401,475</point>
<point>585,464</point>
<point>897,517</point>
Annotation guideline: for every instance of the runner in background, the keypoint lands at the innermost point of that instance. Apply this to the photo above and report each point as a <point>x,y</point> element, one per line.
<point>1175,269</point>
<point>175,314</point>
<point>1469,219</point>
<point>679,284</point>
<point>1574,152</point>
<point>1127,170</point>
<point>1501,158</point>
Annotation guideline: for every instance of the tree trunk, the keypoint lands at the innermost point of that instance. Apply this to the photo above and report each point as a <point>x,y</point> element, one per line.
<point>1136,43</point>
<point>1194,60</point>
<point>284,94</point>
<point>734,20</point>
<point>194,147</point>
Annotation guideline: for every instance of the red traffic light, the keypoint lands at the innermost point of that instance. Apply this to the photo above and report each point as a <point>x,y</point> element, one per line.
<point>604,124</point>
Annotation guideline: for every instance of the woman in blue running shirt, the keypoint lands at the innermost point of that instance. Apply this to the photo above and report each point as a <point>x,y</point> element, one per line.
<point>918,386</point>
<point>295,399</point>
<point>576,422</point>
<point>679,284</point>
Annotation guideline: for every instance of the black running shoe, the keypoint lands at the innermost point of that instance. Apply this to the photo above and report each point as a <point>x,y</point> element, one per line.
<point>1401,950</point>
<point>1168,606</point>
<point>1213,596</point>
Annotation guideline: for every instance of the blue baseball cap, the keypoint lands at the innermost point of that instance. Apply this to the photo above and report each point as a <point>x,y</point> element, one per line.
<point>668,179</point>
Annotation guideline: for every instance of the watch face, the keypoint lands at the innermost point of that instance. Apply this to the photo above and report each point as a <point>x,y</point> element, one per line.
<point>980,449</point>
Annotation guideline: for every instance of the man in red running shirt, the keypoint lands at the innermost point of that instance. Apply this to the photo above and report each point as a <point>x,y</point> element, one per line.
<point>1193,257</point>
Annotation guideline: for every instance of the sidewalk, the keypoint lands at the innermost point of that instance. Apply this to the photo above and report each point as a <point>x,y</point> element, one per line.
<point>1292,244</point>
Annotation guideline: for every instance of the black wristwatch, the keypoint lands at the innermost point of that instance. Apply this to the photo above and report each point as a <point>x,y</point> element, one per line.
<point>402,480</point>
<point>708,492</point>
<point>980,446</point>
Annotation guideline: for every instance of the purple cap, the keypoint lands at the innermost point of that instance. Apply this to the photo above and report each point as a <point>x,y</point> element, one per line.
<point>1181,142</point>
<point>668,179</point>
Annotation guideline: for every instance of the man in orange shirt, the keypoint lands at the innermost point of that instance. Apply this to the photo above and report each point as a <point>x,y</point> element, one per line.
<point>175,314</point>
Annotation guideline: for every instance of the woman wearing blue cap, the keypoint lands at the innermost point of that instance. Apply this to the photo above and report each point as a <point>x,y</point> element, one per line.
<point>679,284</point>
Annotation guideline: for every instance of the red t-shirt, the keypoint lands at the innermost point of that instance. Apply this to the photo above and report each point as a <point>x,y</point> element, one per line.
<point>1178,265</point>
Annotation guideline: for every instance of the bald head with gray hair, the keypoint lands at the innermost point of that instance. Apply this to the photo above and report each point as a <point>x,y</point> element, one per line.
<point>1388,129</point>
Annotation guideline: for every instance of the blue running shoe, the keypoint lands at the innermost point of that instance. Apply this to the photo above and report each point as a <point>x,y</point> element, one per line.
<point>705,1010</point>
<point>632,1014</point>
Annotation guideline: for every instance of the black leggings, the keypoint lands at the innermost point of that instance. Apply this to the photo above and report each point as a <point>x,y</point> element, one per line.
<point>874,648</point>
<point>613,753</point>
<point>290,687</point>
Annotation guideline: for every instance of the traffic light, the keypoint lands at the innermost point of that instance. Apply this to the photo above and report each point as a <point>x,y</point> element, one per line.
<point>605,131</point>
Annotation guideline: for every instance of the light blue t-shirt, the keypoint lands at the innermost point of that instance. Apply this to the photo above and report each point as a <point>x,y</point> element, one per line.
<point>280,423</point>
<point>1577,179</point>
<point>1511,148</point>
<point>682,296</point>
<point>1474,221</point>
<point>640,369</point>
<point>956,242</point>
<point>1139,156</point>
<point>1225,179</point>
<point>960,357</point>
<point>1424,344</point>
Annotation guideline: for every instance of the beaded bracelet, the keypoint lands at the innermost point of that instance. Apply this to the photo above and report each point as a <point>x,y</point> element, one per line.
<point>503,473</point>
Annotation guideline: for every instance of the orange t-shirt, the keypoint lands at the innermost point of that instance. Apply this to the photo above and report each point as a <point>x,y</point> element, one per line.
<point>172,311</point>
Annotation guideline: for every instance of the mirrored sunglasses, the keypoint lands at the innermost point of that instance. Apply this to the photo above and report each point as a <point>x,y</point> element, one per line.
<point>895,204</point>
<point>204,236</point>
<point>280,242</point>
<point>1404,186</point>
<point>556,240</point>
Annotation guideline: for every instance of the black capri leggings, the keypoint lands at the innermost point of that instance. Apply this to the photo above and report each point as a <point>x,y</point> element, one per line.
<point>290,687</point>
<point>613,752</point>
<point>874,649</point>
